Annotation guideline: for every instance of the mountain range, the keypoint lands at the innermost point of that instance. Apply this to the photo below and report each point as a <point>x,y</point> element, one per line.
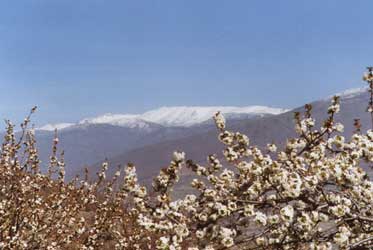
<point>182,116</point>
<point>93,140</point>
<point>149,139</point>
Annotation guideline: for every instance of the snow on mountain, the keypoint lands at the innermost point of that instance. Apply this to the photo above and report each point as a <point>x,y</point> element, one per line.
<point>123,120</point>
<point>182,116</point>
<point>189,116</point>
<point>58,126</point>
<point>349,93</point>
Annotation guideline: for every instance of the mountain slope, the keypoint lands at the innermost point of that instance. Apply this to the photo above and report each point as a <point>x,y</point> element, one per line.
<point>151,158</point>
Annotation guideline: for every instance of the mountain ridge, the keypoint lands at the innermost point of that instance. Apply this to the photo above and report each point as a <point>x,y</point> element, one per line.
<point>173,116</point>
<point>182,116</point>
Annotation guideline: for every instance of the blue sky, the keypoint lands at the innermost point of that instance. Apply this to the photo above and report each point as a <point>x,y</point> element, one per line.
<point>78,58</point>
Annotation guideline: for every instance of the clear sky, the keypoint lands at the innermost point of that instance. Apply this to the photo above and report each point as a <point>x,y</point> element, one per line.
<point>80,58</point>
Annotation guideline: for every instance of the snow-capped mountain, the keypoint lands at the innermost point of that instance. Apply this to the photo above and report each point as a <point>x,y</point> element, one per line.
<point>130,121</point>
<point>350,93</point>
<point>148,139</point>
<point>182,116</point>
<point>58,126</point>
<point>189,116</point>
<point>269,129</point>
